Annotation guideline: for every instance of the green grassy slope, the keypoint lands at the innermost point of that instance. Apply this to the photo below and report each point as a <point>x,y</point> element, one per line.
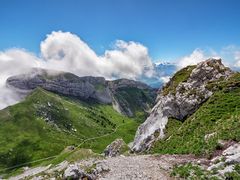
<point>45,123</point>
<point>219,115</point>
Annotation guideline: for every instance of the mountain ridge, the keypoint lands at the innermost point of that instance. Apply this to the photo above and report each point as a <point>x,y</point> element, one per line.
<point>85,88</point>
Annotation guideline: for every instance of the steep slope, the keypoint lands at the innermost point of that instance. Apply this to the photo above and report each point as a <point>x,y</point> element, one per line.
<point>216,120</point>
<point>181,97</point>
<point>45,123</point>
<point>89,88</point>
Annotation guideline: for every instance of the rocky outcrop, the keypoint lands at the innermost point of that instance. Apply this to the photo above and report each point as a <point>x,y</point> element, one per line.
<point>87,88</point>
<point>115,148</point>
<point>73,171</point>
<point>179,99</point>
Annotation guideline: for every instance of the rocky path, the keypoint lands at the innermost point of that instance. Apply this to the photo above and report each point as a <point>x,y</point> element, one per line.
<point>134,167</point>
<point>142,167</point>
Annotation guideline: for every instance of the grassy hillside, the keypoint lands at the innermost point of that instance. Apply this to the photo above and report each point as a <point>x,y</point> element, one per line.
<point>219,116</point>
<point>45,123</point>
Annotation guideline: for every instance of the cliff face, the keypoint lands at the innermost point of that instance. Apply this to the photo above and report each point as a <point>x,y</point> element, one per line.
<point>64,83</point>
<point>87,88</point>
<point>181,97</point>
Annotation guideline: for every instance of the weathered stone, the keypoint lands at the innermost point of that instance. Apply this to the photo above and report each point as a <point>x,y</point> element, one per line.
<point>232,154</point>
<point>73,171</point>
<point>64,83</point>
<point>115,148</point>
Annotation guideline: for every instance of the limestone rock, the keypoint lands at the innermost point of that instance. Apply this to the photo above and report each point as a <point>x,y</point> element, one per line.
<point>115,148</point>
<point>64,83</point>
<point>73,171</point>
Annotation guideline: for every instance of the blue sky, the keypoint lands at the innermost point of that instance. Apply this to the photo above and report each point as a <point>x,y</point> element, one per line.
<point>170,28</point>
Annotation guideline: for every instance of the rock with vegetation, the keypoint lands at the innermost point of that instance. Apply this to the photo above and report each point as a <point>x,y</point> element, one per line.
<point>73,171</point>
<point>128,97</point>
<point>205,131</point>
<point>116,148</point>
<point>223,166</point>
<point>179,98</point>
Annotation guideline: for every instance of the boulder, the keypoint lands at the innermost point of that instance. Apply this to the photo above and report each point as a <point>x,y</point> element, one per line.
<point>115,148</point>
<point>73,171</point>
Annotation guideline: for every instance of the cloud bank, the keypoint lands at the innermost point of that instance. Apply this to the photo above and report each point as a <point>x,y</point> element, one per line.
<point>67,52</point>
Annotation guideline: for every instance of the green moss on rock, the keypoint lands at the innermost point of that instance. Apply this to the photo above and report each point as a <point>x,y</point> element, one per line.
<point>179,77</point>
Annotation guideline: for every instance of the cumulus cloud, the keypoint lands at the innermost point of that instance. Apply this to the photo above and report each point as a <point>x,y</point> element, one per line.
<point>13,62</point>
<point>165,79</point>
<point>229,56</point>
<point>67,52</point>
<point>195,57</point>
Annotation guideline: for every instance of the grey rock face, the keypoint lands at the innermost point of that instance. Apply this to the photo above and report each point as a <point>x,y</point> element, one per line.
<point>188,97</point>
<point>64,83</point>
<point>73,171</point>
<point>115,148</point>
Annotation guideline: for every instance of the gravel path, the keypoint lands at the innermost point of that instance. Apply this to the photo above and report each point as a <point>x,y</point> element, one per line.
<point>142,167</point>
<point>134,167</point>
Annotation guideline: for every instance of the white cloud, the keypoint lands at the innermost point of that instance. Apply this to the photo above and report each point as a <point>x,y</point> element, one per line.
<point>13,62</point>
<point>227,54</point>
<point>165,79</point>
<point>67,52</point>
<point>195,57</point>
